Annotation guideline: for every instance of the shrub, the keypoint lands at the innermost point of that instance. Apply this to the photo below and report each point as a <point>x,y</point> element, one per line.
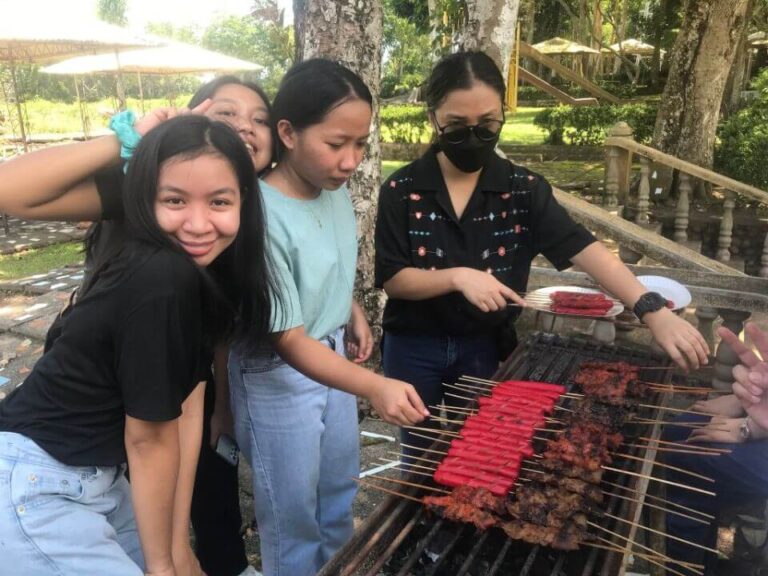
<point>405,123</point>
<point>743,147</point>
<point>588,125</point>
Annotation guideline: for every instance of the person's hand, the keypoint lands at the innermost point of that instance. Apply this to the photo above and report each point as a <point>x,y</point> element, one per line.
<point>397,402</point>
<point>720,429</point>
<point>221,423</point>
<point>484,291</point>
<point>728,406</point>
<point>751,376</point>
<point>359,336</point>
<point>160,115</point>
<point>684,344</point>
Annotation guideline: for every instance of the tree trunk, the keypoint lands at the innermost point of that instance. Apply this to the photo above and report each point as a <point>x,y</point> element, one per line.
<point>736,78</point>
<point>350,31</point>
<point>701,58</point>
<point>491,26</point>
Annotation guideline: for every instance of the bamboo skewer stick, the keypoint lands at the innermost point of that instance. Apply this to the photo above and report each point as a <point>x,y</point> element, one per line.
<point>673,450</point>
<point>411,484</point>
<point>703,448</point>
<point>434,430</point>
<point>646,557</point>
<point>459,397</point>
<point>387,490</point>
<point>665,510</point>
<point>662,480</point>
<point>430,438</point>
<point>662,533</point>
<point>628,541</point>
<point>697,568</point>
<point>662,465</point>
<point>658,499</point>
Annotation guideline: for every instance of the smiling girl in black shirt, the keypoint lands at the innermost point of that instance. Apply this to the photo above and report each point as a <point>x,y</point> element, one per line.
<point>120,383</point>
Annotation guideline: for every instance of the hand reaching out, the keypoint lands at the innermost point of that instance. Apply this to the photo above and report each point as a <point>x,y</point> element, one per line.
<point>728,406</point>
<point>684,344</point>
<point>484,291</point>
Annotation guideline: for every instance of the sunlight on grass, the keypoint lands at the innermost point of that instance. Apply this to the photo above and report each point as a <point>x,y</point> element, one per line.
<point>40,260</point>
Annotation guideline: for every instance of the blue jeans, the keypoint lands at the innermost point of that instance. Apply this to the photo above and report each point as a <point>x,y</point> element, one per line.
<point>301,440</point>
<point>427,362</point>
<point>740,476</point>
<point>63,520</point>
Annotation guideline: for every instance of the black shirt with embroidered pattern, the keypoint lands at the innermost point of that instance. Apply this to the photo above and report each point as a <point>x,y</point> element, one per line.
<point>511,217</point>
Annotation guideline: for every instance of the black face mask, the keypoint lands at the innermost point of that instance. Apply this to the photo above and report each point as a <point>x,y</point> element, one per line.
<point>468,156</point>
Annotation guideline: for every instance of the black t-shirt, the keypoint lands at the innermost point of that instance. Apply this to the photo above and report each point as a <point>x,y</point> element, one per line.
<point>511,217</point>
<point>133,344</point>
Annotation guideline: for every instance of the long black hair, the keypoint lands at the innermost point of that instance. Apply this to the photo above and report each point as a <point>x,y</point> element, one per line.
<point>458,72</point>
<point>310,90</point>
<point>239,282</point>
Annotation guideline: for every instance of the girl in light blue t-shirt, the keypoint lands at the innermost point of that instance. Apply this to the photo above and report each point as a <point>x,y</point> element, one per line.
<point>294,405</point>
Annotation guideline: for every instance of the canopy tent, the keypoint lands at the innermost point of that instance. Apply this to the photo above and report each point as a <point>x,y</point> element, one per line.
<point>633,47</point>
<point>39,38</point>
<point>559,45</point>
<point>175,58</point>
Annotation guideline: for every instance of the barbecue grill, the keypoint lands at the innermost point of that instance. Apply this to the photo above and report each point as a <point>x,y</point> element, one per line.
<point>403,538</point>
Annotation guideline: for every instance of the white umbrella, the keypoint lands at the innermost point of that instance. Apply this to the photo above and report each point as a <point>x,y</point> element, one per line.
<point>559,45</point>
<point>633,47</point>
<point>175,58</point>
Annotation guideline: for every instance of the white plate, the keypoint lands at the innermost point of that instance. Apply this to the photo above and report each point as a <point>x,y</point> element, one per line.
<point>670,289</point>
<point>617,309</point>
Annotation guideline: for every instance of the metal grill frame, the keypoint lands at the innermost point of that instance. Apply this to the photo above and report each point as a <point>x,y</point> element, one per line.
<point>380,536</point>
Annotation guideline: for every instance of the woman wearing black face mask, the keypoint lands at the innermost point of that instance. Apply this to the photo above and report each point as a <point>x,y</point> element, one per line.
<point>455,236</point>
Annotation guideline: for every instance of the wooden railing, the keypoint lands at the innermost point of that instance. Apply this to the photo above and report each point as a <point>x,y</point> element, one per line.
<point>718,288</point>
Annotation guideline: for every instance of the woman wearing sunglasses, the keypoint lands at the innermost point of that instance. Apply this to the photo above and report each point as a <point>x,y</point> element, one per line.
<point>455,236</point>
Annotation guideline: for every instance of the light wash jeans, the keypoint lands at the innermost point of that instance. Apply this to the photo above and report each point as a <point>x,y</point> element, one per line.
<point>63,520</point>
<point>301,440</point>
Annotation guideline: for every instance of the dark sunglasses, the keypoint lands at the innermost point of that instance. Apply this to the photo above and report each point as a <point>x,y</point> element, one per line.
<point>485,131</point>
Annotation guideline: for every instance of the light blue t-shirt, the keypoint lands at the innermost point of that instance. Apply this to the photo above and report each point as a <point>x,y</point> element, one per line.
<point>313,245</point>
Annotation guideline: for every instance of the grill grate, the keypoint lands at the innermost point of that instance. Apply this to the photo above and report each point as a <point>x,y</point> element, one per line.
<point>402,539</point>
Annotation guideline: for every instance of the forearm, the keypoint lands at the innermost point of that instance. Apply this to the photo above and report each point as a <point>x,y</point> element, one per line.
<point>153,457</point>
<point>320,363</point>
<point>415,284</point>
<point>60,186</point>
<point>610,273</point>
<point>190,438</point>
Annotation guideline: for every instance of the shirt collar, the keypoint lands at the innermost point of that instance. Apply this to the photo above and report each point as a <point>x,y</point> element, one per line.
<point>494,178</point>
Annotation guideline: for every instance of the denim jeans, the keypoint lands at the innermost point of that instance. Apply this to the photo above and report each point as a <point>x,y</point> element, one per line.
<point>63,520</point>
<point>427,362</point>
<point>301,440</point>
<point>740,476</point>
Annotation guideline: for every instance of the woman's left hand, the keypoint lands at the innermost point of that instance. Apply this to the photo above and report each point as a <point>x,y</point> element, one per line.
<point>359,336</point>
<point>720,429</point>
<point>684,344</point>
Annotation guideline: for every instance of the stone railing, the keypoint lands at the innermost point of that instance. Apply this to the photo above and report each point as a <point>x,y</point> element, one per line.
<point>718,285</point>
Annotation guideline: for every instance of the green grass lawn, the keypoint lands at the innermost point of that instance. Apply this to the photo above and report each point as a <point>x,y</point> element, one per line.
<point>40,260</point>
<point>520,129</point>
<point>59,117</point>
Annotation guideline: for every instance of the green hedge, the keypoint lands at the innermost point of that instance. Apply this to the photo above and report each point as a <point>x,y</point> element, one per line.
<point>743,149</point>
<point>588,125</point>
<point>405,123</point>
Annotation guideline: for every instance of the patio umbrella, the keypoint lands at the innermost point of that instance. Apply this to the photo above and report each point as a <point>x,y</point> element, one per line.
<point>40,38</point>
<point>633,47</point>
<point>559,45</point>
<point>175,58</point>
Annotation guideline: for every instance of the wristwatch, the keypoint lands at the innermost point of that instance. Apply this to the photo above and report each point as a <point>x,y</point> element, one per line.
<point>649,302</point>
<point>744,430</point>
